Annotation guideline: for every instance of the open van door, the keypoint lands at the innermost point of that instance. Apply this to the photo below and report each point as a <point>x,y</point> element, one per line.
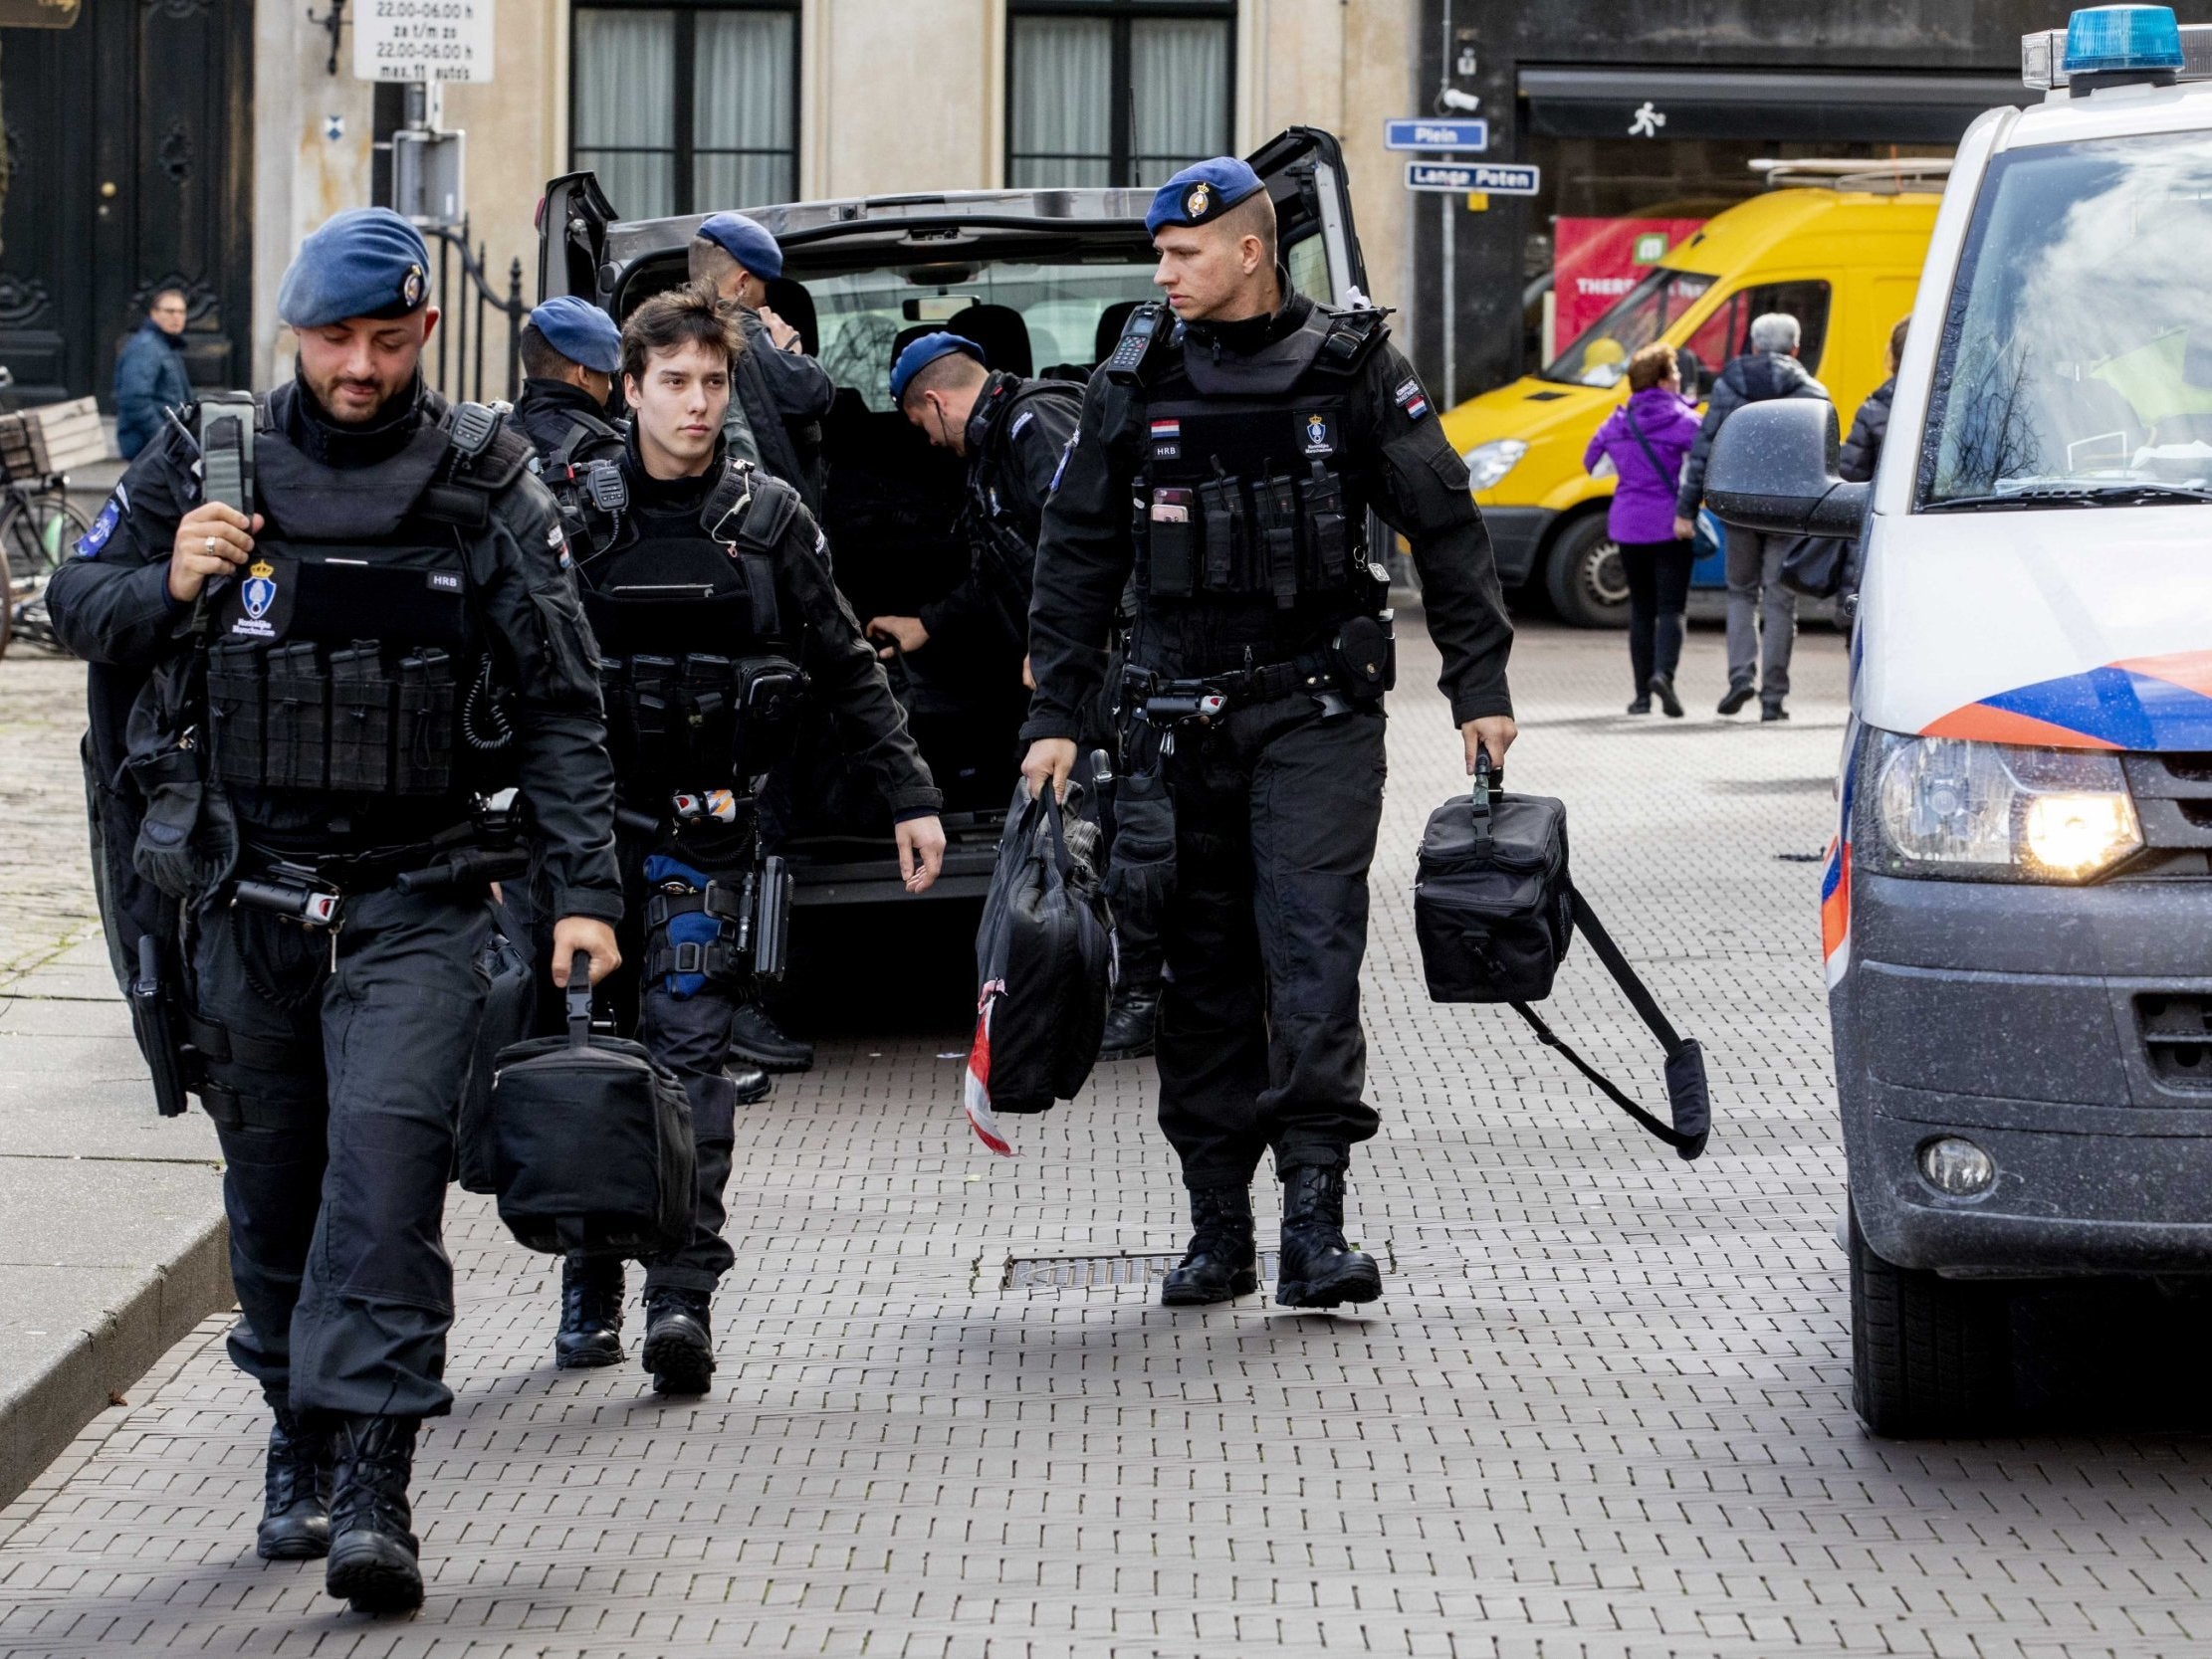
<point>1303,169</point>
<point>572,225</point>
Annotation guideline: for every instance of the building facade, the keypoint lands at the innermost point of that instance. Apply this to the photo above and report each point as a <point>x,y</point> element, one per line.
<point>193,142</point>
<point>680,105</point>
<point>1653,109</point>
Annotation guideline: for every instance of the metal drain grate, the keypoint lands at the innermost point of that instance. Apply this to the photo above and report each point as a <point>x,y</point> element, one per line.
<point>1082,1273</point>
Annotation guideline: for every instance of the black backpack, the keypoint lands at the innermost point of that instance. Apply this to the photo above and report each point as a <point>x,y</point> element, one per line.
<point>1043,965</point>
<point>1496,910</point>
<point>591,1139</point>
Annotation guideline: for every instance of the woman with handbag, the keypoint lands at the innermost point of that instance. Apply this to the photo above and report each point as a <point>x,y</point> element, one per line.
<point>1646,439</point>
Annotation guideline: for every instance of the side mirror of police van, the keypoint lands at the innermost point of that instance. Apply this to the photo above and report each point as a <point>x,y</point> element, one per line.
<point>1773,470</point>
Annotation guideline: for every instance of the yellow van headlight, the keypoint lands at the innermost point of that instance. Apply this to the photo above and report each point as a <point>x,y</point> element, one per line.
<point>1487,464</point>
<point>1999,812</point>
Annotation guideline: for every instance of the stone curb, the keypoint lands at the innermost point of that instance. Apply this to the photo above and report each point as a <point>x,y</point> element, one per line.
<point>42,1413</point>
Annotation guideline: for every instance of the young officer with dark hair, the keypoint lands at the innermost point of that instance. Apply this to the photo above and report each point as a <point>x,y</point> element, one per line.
<point>572,352</point>
<point>329,687</point>
<point>778,397</point>
<point>1254,429</point>
<point>705,582</point>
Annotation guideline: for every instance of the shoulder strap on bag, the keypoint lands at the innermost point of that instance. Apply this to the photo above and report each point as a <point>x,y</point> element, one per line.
<point>1688,1096</point>
<point>1645,444</point>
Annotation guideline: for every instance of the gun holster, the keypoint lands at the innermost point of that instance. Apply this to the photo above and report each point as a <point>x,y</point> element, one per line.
<point>174,1064</point>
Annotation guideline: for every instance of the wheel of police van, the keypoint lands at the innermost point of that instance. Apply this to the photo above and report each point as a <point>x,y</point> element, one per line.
<point>1584,578</point>
<point>1929,1356</point>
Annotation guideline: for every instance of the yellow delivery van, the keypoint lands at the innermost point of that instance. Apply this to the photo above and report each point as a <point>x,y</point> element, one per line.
<point>1842,256</point>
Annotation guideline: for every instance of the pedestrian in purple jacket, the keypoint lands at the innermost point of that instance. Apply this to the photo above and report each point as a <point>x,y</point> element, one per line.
<point>1645,439</point>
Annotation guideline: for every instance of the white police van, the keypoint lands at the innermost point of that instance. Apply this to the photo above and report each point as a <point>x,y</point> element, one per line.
<point>1042,280</point>
<point>2017,911</point>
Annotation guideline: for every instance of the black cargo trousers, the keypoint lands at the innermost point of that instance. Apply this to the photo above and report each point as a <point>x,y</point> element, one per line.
<point>1259,1042</point>
<point>336,1111</point>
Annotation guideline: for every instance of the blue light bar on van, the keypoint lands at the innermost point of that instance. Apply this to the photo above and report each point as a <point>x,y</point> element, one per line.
<point>2104,39</point>
<point>2108,38</point>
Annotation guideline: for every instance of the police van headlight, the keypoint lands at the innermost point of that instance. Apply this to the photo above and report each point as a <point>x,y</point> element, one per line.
<point>1487,464</point>
<point>1956,808</point>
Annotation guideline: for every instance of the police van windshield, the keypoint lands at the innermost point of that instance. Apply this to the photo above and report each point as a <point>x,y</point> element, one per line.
<point>1601,356</point>
<point>1037,317</point>
<point>2077,357</point>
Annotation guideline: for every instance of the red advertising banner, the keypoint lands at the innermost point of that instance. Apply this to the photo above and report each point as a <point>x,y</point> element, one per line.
<point>1596,260</point>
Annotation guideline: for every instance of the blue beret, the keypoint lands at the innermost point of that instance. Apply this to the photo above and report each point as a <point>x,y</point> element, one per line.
<point>581,333</point>
<point>364,262</point>
<point>1199,194</point>
<point>921,353</point>
<point>744,242</point>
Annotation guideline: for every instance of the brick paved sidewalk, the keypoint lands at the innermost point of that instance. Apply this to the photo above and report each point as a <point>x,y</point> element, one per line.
<point>1600,1412</point>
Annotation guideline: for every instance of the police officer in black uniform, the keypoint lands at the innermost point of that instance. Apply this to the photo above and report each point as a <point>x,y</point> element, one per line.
<point>330,682</point>
<point>1014,434</point>
<point>779,395</point>
<point>572,352</point>
<point>1254,428</point>
<point>717,618</point>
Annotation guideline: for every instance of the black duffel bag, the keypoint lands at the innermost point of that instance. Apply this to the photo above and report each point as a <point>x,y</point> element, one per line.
<point>1043,966</point>
<point>509,1009</point>
<point>591,1139</point>
<point>1814,566</point>
<point>1494,910</point>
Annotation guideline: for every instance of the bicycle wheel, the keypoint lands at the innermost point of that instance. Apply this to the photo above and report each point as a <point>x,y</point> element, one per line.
<point>37,532</point>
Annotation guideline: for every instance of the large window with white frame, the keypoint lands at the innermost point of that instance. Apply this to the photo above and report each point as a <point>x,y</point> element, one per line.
<point>686,105</point>
<point>1115,91</point>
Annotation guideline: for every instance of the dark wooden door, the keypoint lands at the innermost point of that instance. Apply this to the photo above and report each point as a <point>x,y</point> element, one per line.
<point>129,144</point>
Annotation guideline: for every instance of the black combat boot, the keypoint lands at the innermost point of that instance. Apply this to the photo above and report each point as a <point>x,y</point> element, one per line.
<point>1129,1023</point>
<point>295,1509</point>
<point>373,1554</point>
<point>590,1313</point>
<point>679,1341</point>
<point>1220,1264</point>
<point>1320,1270</point>
<point>756,1037</point>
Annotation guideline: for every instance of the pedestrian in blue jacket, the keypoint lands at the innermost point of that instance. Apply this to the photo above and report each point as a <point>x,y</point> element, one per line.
<point>149,376</point>
<point>1646,439</point>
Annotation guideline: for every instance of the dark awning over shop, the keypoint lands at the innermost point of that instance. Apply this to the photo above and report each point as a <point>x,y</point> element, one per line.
<point>1663,102</point>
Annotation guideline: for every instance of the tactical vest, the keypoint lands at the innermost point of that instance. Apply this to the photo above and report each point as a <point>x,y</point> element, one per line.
<point>1244,491</point>
<point>697,660</point>
<point>348,658</point>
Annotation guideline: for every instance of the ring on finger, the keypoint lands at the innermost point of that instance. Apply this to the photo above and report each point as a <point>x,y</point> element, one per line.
<point>211,546</point>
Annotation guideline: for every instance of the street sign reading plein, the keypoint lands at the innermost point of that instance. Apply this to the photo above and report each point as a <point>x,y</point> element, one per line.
<point>422,40</point>
<point>1436,134</point>
<point>1468,177</point>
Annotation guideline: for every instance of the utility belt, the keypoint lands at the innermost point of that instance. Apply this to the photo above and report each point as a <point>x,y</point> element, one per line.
<point>675,724</point>
<point>363,720</point>
<point>744,926</point>
<point>1354,667</point>
<point>311,889</point>
<point>1281,535</point>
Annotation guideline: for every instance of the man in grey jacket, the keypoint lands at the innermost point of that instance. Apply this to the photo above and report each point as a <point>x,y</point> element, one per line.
<point>1762,613</point>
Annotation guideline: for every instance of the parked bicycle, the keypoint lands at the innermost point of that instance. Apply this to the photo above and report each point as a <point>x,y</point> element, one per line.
<point>38,524</point>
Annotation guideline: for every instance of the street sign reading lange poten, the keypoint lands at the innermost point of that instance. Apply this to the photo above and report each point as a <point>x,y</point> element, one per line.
<point>1464,177</point>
